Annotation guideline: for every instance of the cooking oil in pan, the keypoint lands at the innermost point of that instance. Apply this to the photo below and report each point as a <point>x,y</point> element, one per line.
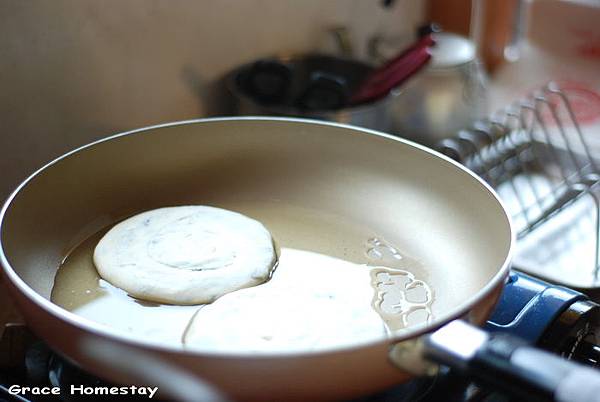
<point>400,298</point>
<point>79,289</point>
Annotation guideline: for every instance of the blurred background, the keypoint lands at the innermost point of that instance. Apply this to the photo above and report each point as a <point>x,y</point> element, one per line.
<point>75,71</point>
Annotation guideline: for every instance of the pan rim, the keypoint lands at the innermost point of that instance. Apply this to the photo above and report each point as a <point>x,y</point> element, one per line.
<point>89,326</point>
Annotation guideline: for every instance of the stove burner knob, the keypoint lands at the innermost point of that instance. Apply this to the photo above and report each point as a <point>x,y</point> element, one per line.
<point>553,317</point>
<point>573,333</point>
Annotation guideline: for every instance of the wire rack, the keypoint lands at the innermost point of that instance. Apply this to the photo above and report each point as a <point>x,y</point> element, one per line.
<point>539,159</point>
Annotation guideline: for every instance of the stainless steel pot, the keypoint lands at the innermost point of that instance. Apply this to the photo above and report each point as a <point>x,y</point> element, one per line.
<point>376,115</point>
<point>449,94</point>
<point>428,205</point>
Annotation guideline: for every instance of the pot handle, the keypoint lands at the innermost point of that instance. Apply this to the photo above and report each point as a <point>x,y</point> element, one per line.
<point>510,364</point>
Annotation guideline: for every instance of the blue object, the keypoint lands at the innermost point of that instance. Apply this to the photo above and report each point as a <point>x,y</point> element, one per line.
<point>528,306</point>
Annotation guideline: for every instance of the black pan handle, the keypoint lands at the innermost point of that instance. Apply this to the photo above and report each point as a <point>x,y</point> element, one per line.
<point>511,365</point>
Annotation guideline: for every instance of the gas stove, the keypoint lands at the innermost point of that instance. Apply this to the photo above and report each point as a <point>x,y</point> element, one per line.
<point>553,317</point>
<point>34,364</point>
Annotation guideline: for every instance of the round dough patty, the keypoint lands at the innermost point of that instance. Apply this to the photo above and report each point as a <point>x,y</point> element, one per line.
<point>185,255</point>
<point>312,302</point>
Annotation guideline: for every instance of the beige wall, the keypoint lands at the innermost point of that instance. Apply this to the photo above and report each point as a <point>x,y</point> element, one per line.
<point>73,71</point>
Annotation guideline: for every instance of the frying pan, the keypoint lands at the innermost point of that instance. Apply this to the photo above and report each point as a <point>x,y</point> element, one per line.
<point>430,207</point>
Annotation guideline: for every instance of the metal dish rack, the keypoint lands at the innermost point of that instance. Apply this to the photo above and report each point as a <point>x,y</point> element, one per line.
<point>539,159</point>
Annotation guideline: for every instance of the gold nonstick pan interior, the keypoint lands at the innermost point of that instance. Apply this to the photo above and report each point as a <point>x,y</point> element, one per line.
<point>430,208</point>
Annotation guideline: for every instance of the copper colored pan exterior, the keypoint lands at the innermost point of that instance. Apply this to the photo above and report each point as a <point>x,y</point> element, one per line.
<point>427,205</point>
